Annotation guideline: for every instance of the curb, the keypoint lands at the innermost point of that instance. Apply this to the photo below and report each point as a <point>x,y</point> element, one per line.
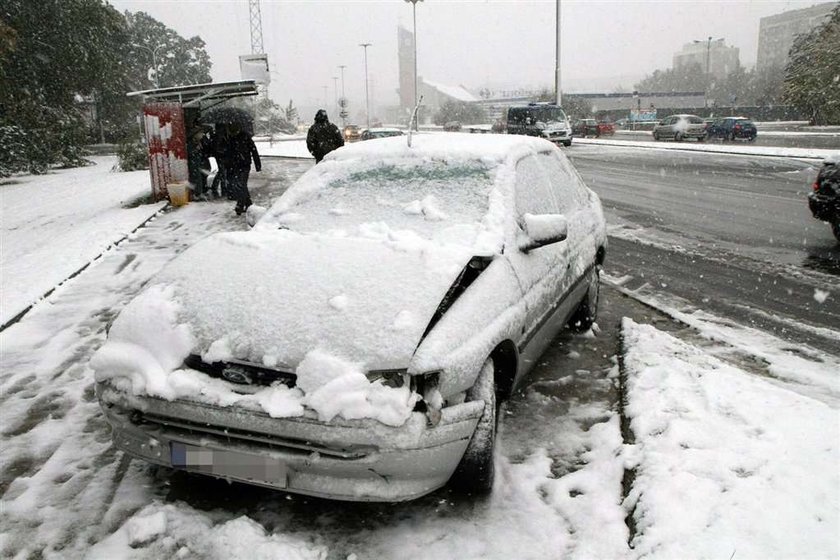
<point>685,149</point>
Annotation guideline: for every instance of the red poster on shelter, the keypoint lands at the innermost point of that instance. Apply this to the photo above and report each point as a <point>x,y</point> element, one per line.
<point>166,139</point>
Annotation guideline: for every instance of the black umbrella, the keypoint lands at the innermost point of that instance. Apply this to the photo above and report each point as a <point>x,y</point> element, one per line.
<point>228,116</point>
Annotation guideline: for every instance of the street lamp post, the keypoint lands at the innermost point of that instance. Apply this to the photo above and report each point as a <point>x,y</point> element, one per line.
<point>153,52</point>
<point>557,94</point>
<point>343,97</point>
<point>367,96</point>
<point>414,17</point>
<point>708,66</point>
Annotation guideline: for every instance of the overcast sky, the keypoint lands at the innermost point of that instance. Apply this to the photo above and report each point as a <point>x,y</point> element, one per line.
<point>475,43</point>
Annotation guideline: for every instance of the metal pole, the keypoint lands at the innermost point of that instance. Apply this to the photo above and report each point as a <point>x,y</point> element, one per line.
<point>342,67</point>
<point>414,16</point>
<point>367,96</point>
<point>557,93</point>
<point>335,90</point>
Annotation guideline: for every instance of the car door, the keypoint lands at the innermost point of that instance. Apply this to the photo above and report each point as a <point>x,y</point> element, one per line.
<point>540,272</point>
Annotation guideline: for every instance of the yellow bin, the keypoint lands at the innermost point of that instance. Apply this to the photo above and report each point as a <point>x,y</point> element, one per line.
<point>179,193</point>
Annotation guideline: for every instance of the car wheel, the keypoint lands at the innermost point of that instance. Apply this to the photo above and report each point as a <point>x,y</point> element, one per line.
<point>701,139</point>
<point>476,470</point>
<point>567,144</point>
<point>752,139</point>
<point>655,137</point>
<point>587,311</point>
<point>731,137</point>
<point>678,137</point>
<point>835,229</point>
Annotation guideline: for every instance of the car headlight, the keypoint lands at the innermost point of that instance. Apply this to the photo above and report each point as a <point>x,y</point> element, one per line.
<point>394,378</point>
<point>426,385</point>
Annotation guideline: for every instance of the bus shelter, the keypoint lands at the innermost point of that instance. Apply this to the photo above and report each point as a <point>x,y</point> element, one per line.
<point>171,116</point>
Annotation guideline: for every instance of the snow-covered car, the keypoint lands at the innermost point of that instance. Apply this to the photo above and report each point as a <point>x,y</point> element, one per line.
<point>680,127</point>
<point>380,132</point>
<point>356,343</point>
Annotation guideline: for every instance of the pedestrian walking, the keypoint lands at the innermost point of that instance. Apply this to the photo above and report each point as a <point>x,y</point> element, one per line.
<point>238,154</point>
<point>323,136</point>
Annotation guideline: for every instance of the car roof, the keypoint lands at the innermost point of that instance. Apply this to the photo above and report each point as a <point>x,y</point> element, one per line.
<point>451,146</point>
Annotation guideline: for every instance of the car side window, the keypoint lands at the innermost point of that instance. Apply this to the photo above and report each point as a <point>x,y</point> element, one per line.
<point>564,183</point>
<point>533,191</point>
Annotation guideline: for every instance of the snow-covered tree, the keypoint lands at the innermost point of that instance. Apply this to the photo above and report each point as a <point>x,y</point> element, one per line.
<point>812,76</point>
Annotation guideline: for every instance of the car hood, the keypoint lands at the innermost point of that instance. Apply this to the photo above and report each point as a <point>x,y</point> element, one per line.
<point>272,297</point>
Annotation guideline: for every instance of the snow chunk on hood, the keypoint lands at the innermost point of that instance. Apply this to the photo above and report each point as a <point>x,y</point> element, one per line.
<point>145,343</point>
<point>338,387</point>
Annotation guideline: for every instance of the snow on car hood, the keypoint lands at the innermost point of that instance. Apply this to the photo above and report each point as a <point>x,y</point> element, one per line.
<point>272,297</point>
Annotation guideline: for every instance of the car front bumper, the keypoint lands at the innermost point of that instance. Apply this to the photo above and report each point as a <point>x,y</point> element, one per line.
<point>360,460</point>
<point>557,136</point>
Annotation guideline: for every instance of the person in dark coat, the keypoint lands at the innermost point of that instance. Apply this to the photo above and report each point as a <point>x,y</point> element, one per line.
<point>198,160</point>
<point>238,153</point>
<point>323,136</point>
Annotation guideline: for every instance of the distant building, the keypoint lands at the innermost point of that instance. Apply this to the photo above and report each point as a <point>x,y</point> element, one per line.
<point>434,94</point>
<point>713,57</point>
<point>776,33</point>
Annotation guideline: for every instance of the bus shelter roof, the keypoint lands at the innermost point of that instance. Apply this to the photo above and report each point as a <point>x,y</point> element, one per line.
<point>193,95</point>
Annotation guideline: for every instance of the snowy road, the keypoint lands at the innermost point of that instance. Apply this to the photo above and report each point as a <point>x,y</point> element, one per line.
<point>562,462</point>
<point>725,233</point>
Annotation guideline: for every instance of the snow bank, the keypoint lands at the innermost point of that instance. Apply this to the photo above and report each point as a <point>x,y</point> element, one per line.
<point>798,153</point>
<point>752,466</point>
<point>179,531</point>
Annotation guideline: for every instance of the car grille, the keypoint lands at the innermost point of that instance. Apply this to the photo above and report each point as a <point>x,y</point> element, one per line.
<point>181,429</point>
<point>241,373</point>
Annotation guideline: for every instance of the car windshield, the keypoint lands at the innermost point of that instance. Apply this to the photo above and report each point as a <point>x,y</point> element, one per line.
<point>433,199</point>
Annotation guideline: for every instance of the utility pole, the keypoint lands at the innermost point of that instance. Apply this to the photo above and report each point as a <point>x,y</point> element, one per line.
<point>557,94</point>
<point>367,96</point>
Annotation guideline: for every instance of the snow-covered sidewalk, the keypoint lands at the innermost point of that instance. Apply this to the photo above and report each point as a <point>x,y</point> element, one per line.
<point>52,225</point>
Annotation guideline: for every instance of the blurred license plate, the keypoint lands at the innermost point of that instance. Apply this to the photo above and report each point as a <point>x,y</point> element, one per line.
<point>226,463</point>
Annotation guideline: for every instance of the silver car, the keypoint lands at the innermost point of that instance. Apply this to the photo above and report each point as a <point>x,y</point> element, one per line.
<point>357,342</point>
<point>680,127</point>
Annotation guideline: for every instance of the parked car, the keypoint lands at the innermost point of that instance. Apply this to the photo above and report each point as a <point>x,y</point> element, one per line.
<point>352,133</point>
<point>605,128</point>
<point>357,342</point>
<point>540,119</point>
<point>730,128</point>
<point>452,126</point>
<point>680,127</point>
<point>824,200</point>
<point>585,127</point>
<point>381,132</point>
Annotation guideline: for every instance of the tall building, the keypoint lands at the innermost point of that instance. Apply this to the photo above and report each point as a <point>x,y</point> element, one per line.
<point>713,57</point>
<point>776,33</point>
<point>405,51</point>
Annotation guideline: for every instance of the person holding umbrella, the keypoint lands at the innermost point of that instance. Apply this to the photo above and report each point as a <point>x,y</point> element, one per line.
<point>237,155</point>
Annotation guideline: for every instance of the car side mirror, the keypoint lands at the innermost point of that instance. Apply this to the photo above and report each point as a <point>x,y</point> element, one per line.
<point>540,230</point>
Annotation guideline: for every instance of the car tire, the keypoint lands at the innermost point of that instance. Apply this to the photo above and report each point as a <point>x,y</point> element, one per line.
<point>731,137</point>
<point>584,316</point>
<point>678,137</point>
<point>567,144</point>
<point>475,472</point>
<point>701,139</point>
<point>752,139</point>
<point>655,137</point>
<point>835,229</point>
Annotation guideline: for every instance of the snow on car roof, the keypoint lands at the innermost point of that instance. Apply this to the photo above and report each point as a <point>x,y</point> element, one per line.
<point>446,147</point>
